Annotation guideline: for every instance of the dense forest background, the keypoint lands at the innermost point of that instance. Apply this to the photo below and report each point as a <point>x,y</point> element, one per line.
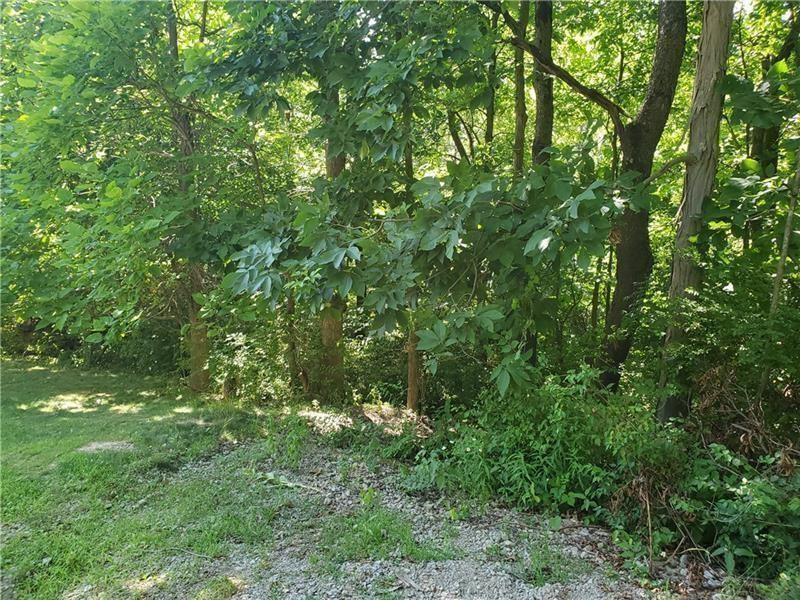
<point>562,232</point>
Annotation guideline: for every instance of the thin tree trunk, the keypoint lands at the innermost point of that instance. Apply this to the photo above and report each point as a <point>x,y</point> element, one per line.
<point>706,113</point>
<point>607,293</point>
<point>452,127</point>
<point>414,375</point>
<point>414,378</point>
<point>408,152</point>
<point>794,192</point>
<point>543,83</point>
<point>520,110</point>
<point>491,76</point>
<point>596,294</point>
<point>332,383</point>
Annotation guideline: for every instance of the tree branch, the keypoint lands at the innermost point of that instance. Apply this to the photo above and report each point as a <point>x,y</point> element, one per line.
<point>613,109</point>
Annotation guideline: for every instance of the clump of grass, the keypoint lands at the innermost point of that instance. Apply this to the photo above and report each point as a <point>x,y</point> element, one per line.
<point>375,532</point>
<point>546,563</point>
<point>219,588</point>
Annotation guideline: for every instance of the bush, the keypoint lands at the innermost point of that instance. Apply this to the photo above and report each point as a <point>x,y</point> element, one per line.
<point>570,446</point>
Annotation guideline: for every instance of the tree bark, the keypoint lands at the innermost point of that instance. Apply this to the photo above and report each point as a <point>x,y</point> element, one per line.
<point>543,83</point>
<point>297,375</point>
<point>333,388</point>
<point>638,142</point>
<point>520,110</point>
<point>491,76</point>
<point>452,127</point>
<point>706,113</point>
<point>198,334</point>
<point>414,379</point>
<point>408,151</point>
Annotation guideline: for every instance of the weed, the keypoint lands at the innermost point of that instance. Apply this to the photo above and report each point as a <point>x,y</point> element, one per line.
<point>375,532</point>
<point>546,563</point>
<point>219,588</point>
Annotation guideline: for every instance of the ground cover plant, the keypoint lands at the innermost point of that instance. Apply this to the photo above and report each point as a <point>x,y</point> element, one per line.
<point>536,253</point>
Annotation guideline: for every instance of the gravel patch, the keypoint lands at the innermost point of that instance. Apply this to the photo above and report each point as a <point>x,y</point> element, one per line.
<point>487,549</point>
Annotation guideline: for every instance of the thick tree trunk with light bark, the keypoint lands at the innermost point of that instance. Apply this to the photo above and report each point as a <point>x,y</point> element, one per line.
<point>706,113</point>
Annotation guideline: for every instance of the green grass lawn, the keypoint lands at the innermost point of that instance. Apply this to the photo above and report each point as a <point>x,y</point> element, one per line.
<point>153,505</point>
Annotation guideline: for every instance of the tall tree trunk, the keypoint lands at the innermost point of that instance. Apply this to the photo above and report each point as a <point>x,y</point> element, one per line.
<point>414,376</point>
<point>520,111</point>
<point>638,141</point>
<point>543,83</point>
<point>706,113</point>
<point>184,132</point>
<point>452,127</point>
<point>198,335</point>
<point>297,375</point>
<point>794,192</point>
<point>594,316</point>
<point>333,388</point>
<point>491,77</point>
<point>332,384</point>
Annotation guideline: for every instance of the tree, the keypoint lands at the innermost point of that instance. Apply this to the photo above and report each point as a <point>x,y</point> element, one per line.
<point>712,57</point>
<point>638,140</point>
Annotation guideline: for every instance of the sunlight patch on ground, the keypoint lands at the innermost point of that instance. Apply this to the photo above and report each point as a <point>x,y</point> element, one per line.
<point>107,446</point>
<point>325,422</point>
<point>394,420</point>
<point>183,410</point>
<point>74,403</point>
<point>126,409</point>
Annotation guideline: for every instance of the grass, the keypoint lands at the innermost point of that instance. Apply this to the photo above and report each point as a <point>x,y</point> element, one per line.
<point>110,520</point>
<point>546,563</point>
<point>375,532</point>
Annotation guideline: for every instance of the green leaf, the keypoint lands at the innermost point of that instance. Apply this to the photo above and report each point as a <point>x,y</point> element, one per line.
<point>94,338</point>
<point>230,279</point>
<point>539,241</point>
<point>503,379</point>
<point>427,340</point>
<point>69,166</point>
